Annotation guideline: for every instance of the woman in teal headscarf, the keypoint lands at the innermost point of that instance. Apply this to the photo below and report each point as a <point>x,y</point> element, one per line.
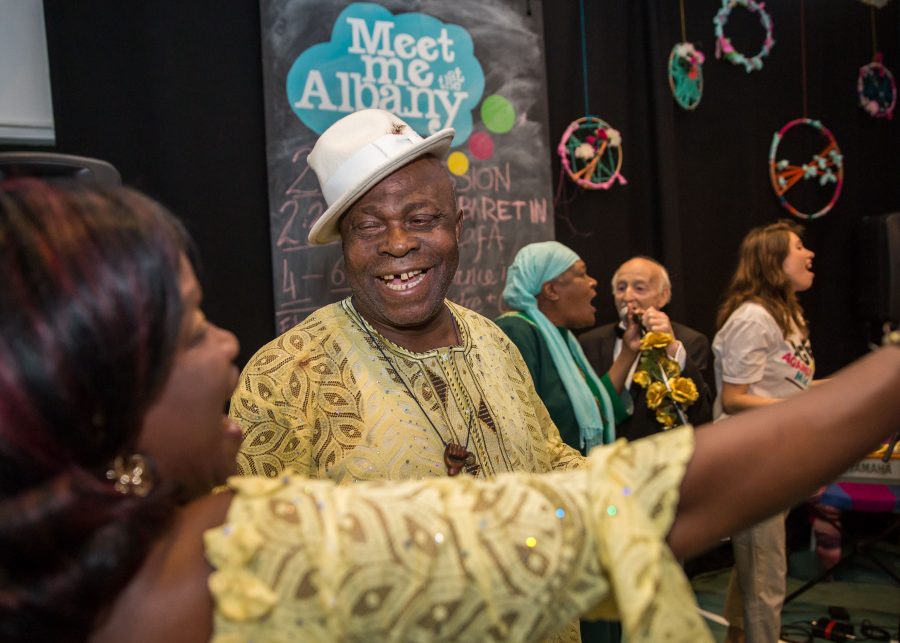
<point>550,293</point>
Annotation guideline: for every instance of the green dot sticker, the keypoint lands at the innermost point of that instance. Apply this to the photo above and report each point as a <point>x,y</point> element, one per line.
<point>498,114</point>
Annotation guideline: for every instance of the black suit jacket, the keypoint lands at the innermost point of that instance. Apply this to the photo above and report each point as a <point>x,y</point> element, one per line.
<point>598,346</point>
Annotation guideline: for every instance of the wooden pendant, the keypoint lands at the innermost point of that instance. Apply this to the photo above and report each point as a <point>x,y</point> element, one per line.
<point>457,457</point>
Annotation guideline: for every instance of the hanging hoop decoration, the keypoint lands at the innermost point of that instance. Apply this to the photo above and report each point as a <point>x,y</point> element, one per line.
<point>825,167</point>
<point>686,75</point>
<point>877,89</point>
<point>591,153</point>
<point>723,44</point>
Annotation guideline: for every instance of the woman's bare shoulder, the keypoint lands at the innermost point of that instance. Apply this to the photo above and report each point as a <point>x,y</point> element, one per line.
<point>168,600</point>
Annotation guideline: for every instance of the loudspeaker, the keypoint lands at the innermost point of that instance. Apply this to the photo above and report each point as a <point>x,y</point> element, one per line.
<point>879,273</point>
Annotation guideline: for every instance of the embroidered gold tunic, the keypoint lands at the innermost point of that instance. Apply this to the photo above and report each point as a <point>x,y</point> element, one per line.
<point>456,559</point>
<point>321,400</point>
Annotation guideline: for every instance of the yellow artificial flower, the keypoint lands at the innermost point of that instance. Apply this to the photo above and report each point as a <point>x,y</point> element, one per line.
<point>684,391</point>
<point>656,393</point>
<point>642,378</point>
<point>654,370</point>
<point>665,417</point>
<point>656,339</point>
<point>671,367</point>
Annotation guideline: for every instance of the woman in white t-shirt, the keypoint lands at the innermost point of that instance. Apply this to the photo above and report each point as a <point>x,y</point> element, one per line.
<point>762,355</point>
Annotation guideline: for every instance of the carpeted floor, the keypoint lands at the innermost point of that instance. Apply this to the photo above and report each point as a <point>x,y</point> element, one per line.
<point>868,594</point>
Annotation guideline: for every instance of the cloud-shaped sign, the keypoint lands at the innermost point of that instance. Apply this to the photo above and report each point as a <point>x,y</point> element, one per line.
<point>411,64</point>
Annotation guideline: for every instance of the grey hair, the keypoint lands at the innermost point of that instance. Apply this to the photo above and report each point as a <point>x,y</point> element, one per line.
<point>665,282</point>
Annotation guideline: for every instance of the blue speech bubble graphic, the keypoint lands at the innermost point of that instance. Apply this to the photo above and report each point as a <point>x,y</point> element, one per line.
<point>411,64</point>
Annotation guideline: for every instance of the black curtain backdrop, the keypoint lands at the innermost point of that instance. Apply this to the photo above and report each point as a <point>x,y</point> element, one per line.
<point>698,180</point>
<point>170,92</point>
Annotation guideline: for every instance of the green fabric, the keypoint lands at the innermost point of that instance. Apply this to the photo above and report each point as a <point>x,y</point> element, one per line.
<point>525,335</point>
<point>533,266</point>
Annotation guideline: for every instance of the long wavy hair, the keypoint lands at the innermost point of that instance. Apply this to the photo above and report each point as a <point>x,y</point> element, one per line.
<point>760,277</point>
<point>90,311</point>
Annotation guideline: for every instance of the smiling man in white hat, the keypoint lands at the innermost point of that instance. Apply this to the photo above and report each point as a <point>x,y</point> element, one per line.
<point>395,381</point>
<point>393,206</point>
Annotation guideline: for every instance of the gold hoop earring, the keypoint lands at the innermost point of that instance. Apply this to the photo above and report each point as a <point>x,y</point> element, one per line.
<point>131,476</point>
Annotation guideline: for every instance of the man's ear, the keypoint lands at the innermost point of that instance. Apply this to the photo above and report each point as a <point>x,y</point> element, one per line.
<point>459,222</point>
<point>665,296</point>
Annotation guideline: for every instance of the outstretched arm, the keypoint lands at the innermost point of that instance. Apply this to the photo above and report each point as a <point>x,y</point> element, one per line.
<point>758,462</point>
<point>515,558</point>
<point>543,546</point>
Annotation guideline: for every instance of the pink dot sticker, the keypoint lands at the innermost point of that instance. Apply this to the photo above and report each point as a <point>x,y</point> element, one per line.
<point>481,145</point>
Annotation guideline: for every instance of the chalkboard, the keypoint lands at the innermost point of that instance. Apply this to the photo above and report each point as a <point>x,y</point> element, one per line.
<point>475,65</point>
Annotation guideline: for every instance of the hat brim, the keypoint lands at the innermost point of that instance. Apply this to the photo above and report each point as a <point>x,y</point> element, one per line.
<point>325,229</point>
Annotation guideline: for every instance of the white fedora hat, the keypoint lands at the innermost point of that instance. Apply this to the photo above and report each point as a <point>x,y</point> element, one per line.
<point>358,151</point>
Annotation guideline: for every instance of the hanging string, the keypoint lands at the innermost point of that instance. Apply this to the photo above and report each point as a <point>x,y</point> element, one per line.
<point>683,32</point>
<point>874,38</point>
<point>803,52</point>
<point>584,67</point>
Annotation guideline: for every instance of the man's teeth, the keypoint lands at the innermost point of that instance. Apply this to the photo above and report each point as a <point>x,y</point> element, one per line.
<point>403,275</point>
<point>404,280</point>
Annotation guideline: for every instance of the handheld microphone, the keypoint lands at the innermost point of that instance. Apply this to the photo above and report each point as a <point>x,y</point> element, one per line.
<point>637,317</point>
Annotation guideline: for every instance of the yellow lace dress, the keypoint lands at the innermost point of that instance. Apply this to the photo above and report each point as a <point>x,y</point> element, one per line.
<point>514,558</point>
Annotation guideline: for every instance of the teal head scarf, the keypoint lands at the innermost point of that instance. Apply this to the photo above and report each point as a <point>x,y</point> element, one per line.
<point>534,265</point>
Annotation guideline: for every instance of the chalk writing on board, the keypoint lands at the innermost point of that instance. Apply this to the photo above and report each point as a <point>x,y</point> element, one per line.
<point>302,280</point>
<point>301,202</point>
<point>503,187</point>
<point>499,217</point>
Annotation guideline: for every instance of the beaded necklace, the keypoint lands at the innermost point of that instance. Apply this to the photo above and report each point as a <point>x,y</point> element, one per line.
<point>456,456</point>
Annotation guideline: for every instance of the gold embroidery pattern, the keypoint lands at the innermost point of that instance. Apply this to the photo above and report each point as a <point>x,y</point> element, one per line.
<point>320,401</point>
<point>514,559</point>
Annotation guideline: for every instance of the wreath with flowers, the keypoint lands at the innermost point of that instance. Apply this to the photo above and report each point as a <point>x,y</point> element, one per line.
<point>686,74</point>
<point>826,167</point>
<point>723,43</point>
<point>668,392</point>
<point>877,89</point>
<point>591,153</point>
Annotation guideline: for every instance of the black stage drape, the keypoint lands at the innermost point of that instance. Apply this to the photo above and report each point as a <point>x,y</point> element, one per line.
<point>699,180</point>
<point>170,92</point>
